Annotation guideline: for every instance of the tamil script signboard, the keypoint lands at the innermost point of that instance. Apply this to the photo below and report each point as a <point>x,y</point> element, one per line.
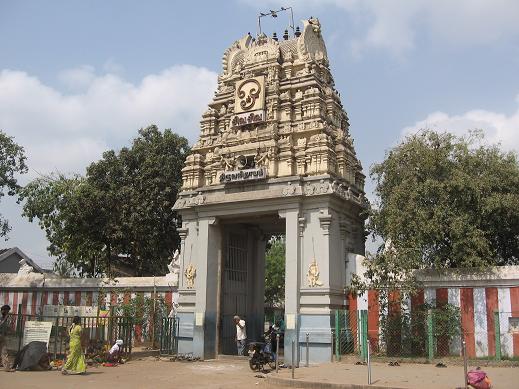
<point>243,175</point>
<point>37,331</point>
<point>244,118</point>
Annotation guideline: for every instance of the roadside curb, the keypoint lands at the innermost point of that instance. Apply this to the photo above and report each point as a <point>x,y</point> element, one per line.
<point>295,383</point>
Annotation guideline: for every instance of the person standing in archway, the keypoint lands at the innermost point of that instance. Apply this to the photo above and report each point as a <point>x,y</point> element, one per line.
<point>241,335</point>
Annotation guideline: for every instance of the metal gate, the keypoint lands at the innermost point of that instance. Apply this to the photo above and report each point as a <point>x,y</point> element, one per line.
<point>234,289</point>
<point>168,336</point>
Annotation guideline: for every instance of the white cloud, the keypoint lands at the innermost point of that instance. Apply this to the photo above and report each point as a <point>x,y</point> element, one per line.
<point>393,25</point>
<point>66,131</point>
<point>498,127</point>
<point>77,78</point>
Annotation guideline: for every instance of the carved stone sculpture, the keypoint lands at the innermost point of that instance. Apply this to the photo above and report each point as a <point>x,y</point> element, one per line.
<point>255,103</point>
<point>174,269</point>
<point>25,268</point>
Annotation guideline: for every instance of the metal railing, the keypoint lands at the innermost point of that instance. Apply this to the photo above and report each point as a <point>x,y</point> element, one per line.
<point>169,336</point>
<point>427,335</point>
<point>97,332</point>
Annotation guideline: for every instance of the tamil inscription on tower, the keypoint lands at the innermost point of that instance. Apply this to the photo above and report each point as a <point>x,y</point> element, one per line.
<point>274,156</point>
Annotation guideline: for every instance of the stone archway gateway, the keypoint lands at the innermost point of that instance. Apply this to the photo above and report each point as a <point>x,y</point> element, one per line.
<point>274,156</point>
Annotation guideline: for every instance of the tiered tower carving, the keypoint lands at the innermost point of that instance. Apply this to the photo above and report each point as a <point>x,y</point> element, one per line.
<point>276,113</point>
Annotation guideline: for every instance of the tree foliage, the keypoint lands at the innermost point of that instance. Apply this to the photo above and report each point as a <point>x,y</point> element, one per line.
<point>275,272</point>
<point>120,211</point>
<point>12,163</point>
<point>444,202</point>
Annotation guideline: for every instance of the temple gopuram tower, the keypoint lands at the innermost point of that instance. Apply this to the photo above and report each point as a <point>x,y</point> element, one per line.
<point>274,157</point>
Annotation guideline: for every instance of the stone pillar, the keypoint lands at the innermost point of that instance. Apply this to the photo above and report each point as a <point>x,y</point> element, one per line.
<point>206,284</point>
<point>186,296</point>
<point>292,282</point>
<point>197,312</point>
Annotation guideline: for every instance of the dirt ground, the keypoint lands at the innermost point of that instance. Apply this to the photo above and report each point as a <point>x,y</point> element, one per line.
<point>142,374</point>
<point>420,376</point>
<point>149,373</point>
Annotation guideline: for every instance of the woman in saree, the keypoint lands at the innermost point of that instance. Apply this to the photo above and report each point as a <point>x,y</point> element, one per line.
<point>75,360</point>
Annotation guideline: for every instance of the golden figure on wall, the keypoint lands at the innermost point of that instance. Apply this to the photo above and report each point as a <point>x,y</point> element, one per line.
<point>313,275</point>
<point>190,274</point>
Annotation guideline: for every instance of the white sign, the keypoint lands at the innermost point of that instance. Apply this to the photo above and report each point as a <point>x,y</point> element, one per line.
<point>243,175</point>
<point>291,321</point>
<point>68,311</point>
<point>513,325</point>
<point>38,331</point>
<point>199,319</point>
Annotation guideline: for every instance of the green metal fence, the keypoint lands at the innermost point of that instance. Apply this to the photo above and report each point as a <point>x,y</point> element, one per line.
<point>169,336</point>
<point>98,333</point>
<point>425,334</point>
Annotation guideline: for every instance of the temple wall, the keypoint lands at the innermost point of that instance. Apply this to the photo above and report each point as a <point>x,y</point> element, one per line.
<point>34,291</point>
<point>478,294</point>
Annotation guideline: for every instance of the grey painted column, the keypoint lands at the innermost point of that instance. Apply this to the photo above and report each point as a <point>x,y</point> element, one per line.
<point>206,284</point>
<point>257,291</point>
<point>292,281</point>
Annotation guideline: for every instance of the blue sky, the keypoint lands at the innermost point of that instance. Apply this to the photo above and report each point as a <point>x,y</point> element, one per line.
<point>80,77</point>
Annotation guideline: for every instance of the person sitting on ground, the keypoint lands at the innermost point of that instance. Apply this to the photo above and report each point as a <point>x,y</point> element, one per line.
<point>33,356</point>
<point>115,354</point>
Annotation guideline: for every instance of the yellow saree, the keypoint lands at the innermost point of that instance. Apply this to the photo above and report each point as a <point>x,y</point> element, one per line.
<point>76,360</point>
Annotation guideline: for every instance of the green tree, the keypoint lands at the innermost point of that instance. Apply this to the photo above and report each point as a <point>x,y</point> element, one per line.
<point>12,163</point>
<point>60,206</point>
<point>275,272</point>
<point>122,208</point>
<point>443,202</point>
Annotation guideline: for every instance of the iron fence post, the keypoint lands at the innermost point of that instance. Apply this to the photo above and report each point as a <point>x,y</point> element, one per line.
<point>369,365</point>
<point>277,353</point>
<point>161,334</point>
<point>293,353</point>
<point>465,363</point>
<point>358,321</point>
<point>307,349</point>
<point>56,339</point>
<point>19,320</point>
<point>430,337</point>
<point>364,336</point>
<point>332,333</point>
<point>497,334</point>
<point>337,336</point>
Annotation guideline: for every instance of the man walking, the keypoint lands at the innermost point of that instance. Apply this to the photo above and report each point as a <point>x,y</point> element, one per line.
<point>241,335</point>
<point>4,329</point>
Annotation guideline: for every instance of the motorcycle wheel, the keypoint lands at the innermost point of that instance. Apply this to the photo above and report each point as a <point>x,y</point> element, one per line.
<point>254,364</point>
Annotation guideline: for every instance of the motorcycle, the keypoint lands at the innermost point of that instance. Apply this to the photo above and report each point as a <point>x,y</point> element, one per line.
<point>260,354</point>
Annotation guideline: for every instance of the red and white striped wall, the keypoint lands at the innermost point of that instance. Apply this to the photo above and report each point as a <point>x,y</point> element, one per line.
<point>27,295</point>
<point>32,300</point>
<point>477,306</point>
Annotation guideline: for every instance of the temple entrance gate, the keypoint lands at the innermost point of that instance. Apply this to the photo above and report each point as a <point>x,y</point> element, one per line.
<point>234,288</point>
<point>274,156</point>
